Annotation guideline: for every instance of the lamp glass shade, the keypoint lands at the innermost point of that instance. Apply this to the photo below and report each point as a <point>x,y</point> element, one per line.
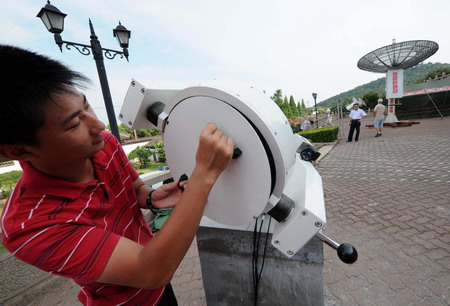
<point>122,35</point>
<point>52,18</point>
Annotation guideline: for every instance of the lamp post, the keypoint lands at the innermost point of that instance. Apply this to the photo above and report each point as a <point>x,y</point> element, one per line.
<point>53,19</point>
<point>315,107</point>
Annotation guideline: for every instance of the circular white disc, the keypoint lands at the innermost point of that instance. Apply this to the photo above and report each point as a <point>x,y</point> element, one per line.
<point>243,189</point>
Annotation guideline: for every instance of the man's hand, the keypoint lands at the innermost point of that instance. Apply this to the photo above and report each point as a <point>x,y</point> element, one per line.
<point>168,195</point>
<point>214,153</point>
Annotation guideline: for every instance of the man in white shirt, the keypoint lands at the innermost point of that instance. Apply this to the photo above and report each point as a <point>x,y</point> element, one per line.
<point>356,115</point>
<point>379,117</point>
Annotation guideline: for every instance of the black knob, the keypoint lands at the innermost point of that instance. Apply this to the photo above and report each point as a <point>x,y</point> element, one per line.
<point>347,253</point>
<point>236,153</point>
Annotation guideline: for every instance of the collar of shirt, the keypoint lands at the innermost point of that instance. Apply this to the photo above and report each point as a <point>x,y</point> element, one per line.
<point>37,181</point>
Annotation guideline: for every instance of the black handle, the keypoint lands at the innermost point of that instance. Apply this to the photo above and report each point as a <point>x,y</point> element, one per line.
<point>236,153</point>
<point>183,177</point>
<point>347,253</point>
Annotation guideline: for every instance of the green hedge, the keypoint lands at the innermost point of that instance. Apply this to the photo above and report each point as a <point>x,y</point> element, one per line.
<point>326,134</point>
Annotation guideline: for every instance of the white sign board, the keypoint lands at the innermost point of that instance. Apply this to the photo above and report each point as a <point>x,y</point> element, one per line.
<point>394,83</point>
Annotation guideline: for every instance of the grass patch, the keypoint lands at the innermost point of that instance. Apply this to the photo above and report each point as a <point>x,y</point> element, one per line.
<point>151,168</point>
<point>2,249</point>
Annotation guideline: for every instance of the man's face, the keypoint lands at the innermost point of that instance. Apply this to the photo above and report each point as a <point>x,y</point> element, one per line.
<point>72,132</point>
<point>355,106</point>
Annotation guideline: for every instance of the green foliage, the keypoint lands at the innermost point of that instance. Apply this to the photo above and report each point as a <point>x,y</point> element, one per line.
<point>125,130</point>
<point>371,98</point>
<point>7,182</point>
<point>150,168</point>
<point>2,249</point>
<point>278,95</point>
<point>285,107</point>
<point>142,154</point>
<point>147,132</point>
<point>293,107</point>
<point>303,104</point>
<point>326,134</point>
<point>289,107</point>
<point>300,109</point>
<point>160,151</point>
<point>432,74</point>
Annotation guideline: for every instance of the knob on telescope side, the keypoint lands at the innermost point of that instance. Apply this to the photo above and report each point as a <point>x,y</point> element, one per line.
<point>346,252</point>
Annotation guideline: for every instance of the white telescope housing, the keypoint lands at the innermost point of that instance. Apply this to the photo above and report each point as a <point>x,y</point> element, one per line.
<point>269,176</point>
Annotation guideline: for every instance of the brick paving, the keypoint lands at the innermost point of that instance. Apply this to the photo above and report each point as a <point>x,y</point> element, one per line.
<point>390,197</point>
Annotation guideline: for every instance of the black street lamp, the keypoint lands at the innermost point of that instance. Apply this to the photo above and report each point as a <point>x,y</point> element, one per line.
<point>53,20</point>
<point>315,107</point>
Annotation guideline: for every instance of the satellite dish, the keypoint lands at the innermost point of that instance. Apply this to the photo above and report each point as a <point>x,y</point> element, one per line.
<point>392,60</point>
<point>401,55</point>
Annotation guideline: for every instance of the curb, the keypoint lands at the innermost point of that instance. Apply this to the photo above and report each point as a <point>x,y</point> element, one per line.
<point>324,149</point>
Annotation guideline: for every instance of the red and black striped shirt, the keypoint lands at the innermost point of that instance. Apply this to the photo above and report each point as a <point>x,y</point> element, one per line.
<point>71,229</point>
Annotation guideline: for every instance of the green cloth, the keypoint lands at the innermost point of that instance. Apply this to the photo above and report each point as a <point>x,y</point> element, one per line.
<point>160,218</point>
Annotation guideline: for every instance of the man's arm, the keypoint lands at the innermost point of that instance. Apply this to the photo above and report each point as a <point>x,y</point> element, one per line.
<point>364,115</point>
<point>153,265</point>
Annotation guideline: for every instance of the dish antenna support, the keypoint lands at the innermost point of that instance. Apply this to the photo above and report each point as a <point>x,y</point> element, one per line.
<point>392,60</point>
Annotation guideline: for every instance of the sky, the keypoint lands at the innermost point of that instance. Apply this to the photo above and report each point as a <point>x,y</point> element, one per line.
<point>297,46</point>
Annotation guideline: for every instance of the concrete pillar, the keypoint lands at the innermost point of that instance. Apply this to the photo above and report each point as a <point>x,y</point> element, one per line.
<point>391,118</point>
<point>226,263</point>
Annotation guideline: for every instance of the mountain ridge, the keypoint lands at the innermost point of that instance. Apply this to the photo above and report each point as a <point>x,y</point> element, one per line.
<point>410,76</point>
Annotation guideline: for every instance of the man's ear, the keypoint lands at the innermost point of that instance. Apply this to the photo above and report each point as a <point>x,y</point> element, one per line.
<point>17,152</point>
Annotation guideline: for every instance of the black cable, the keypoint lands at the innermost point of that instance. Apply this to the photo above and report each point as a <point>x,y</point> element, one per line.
<point>254,264</point>
<point>255,273</point>
<point>265,249</point>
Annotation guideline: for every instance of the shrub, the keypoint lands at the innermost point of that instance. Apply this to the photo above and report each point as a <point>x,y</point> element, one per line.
<point>160,150</point>
<point>142,154</point>
<point>7,182</point>
<point>326,134</point>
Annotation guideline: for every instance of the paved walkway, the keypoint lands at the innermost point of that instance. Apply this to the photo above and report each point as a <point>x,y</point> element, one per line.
<point>390,197</point>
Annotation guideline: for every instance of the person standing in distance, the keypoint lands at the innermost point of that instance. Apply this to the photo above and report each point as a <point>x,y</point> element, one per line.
<point>379,117</point>
<point>356,116</point>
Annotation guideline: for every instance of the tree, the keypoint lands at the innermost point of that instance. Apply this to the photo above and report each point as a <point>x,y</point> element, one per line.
<point>300,109</point>
<point>286,108</point>
<point>293,107</point>
<point>142,154</point>
<point>371,99</point>
<point>160,150</point>
<point>277,95</point>
<point>437,72</point>
<point>125,130</point>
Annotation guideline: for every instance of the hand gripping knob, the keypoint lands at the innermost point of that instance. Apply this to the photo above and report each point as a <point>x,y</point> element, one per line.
<point>346,252</point>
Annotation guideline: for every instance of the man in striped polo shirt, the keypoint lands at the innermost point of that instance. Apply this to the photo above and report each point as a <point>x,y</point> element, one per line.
<point>76,210</point>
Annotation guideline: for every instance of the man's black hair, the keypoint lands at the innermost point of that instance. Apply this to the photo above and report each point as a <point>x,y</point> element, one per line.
<point>29,81</point>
